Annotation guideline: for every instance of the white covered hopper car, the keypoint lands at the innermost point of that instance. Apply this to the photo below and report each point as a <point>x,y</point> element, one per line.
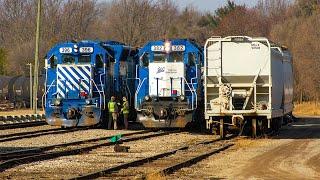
<point>248,84</point>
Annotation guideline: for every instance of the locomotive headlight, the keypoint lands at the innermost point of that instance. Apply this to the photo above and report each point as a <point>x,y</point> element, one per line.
<point>88,101</point>
<point>182,97</point>
<point>167,46</point>
<point>147,98</point>
<point>75,46</point>
<point>56,102</point>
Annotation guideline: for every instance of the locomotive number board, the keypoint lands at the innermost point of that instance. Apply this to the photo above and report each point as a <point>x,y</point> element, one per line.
<point>173,48</point>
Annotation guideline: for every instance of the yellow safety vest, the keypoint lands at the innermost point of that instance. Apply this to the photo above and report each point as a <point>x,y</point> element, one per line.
<point>112,106</point>
<point>125,109</point>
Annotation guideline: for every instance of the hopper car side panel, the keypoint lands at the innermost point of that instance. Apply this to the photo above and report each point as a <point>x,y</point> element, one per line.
<point>246,81</point>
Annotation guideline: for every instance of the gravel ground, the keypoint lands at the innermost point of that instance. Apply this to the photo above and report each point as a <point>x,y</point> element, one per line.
<point>70,166</point>
<point>294,154</point>
<point>52,139</point>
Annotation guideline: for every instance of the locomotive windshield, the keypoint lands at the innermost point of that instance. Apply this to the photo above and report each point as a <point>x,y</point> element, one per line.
<point>176,57</point>
<point>161,57</point>
<point>84,59</point>
<point>68,59</point>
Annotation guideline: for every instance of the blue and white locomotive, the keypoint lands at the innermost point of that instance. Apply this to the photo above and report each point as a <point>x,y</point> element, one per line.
<point>82,76</point>
<point>169,88</point>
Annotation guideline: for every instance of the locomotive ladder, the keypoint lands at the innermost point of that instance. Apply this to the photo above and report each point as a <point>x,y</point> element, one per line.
<point>101,93</point>
<point>216,62</point>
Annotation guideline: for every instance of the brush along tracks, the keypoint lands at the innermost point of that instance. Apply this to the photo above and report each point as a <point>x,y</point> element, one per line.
<point>31,134</point>
<point>162,163</point>
<point>15,158</point>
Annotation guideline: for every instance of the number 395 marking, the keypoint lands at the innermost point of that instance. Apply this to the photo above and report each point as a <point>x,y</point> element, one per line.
<point>65,50</point>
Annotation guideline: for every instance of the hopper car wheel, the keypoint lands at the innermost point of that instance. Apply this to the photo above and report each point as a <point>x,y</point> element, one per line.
<point>222,129</point>
<point>254,128</point>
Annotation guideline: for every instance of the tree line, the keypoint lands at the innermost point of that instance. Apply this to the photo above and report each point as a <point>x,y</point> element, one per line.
<point>292,23</point>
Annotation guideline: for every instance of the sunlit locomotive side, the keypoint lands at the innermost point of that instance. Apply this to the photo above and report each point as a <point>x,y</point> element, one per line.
<point>168,92</point>
<point>80,79</point>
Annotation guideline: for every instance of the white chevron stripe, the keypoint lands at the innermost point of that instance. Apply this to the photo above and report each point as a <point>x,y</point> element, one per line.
<point>83,76</point>
<point>61,79</point>
<point>76,77</point>
<point>60,89</point>
<point>86,70</point>
<point>70,79</point>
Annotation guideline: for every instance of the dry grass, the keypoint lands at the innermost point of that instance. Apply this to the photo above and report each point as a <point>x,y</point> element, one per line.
<point>155,176</point>
<point>307,109</point>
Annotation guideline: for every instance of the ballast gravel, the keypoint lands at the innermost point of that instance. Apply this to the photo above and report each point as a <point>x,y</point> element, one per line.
<point>53,139</point>
<point>101,158</point>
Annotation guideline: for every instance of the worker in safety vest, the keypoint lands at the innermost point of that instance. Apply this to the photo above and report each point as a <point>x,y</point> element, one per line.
<point>113,113</point>
<point>125,111</point>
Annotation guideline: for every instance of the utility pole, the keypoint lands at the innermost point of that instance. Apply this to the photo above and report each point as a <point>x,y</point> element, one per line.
<point>30,86</point>
<point>36,61</point>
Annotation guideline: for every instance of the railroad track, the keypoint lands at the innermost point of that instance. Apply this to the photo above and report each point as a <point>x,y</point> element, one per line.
<point>11,122</point>
<point>162,163</point>
<point>15,158</point>
<point>31,134</point>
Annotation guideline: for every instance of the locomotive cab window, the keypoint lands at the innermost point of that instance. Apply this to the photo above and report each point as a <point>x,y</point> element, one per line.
<point>84,59</point>
<point>176,57</point>
<point>144,60</point>
<point>192,59</point>
<point>53,61</point>
<point>159,57</point>
<point>99,61</point>
<point>68,59</point>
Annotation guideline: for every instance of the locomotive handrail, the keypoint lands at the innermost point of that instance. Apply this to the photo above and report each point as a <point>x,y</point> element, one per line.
<point>128,89</point>
<point>137,91</point>
<point>98,91</point>
<point>104,103</point>
<point>192,92</point>
<point>45,99</point>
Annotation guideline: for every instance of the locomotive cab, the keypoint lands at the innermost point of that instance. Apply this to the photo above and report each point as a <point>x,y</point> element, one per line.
<point>168,83</point>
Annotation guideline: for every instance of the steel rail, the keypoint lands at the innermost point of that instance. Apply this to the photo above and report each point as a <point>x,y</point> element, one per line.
<point>167,170</point>
<point>33,151</point>
<point>22,125</point>
<point>31,134</point>
<point>79,150</point>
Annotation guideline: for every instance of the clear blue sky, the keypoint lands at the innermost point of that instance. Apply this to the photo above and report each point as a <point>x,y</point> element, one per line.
<point>208,5</point>
<point>212,5</point>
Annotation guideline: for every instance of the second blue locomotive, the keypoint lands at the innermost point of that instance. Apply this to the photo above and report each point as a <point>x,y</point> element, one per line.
<point>168,88</point>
